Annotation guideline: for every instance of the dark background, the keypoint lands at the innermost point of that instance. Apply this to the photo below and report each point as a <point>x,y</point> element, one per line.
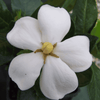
<point>4,78</point>
<point>8,3</point>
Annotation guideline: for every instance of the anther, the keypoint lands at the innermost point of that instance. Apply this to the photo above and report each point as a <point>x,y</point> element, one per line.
<point>54,45</point>
<point>54,55</point>
<point>38,50</point>
<point>47,48</point>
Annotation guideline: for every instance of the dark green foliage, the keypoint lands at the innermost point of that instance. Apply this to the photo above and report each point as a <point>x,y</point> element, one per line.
<point>69,4</point>
<point>26,6</point>
<point>84,15</point>
<point>84,78</point>
<point>94,86</point>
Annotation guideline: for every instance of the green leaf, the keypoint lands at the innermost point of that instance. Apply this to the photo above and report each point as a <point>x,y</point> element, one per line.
<point>26,95</point>
<point>84,15</point>
<point>96,30</point>
<point>98,50</point>
<point>5,59</point>
<point>24,51</point>
<point>93,46</point>
<point>26,6</point>
<point>56,3</point>
<point>69,4</point>
<point>71,95</point>
<point>35,14</point>
<point>84,78</point>
<point>82,95</point>
<point>93,41</point>
<point>95,52</point>
<point>18,15</point>
<point>5,16</point>
<point>98,45</point>
<point>94,86</point>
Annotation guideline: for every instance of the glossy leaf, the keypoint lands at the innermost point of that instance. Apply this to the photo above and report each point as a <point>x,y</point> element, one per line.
<point>98,45</point>
<point>85,12</point>
<point>71,95</point>
<point>24,51</point>
<point>26,95</point>
<point>5,16</point>
<point>56,3</point>
<point>18,15</point>
<point>6,50</point>
<point>98,50</point>
<point>26,6</point>
<point>96,30</point>
<point>35,13</point>
<point>69,4</point>
<point>82,95</point>
<point>5,59</point>
<point>93,41</point>
<point>84,78</point>
<point>95,52</point>
<point>94,86</point>
<point>95,33</point>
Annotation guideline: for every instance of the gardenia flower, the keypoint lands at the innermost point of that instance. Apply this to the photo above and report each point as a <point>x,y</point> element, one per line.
<point>58,60</point>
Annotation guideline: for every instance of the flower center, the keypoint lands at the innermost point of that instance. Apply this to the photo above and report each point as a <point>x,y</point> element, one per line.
<point>47,48</point>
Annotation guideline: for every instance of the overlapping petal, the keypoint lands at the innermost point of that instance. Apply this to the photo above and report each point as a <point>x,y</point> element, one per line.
<point>75,53</point>
<point>25,69</point>
<point>57,79</point>
<point>25,34</point>
<point>54,23</point>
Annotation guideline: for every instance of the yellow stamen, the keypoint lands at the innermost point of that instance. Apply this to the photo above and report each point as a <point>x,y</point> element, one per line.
<point>47,48</point>
<point>42,43</point>
<point>54,45</point>
<point>44,57</point>
<point>38,50</point>
<point>54,55</point>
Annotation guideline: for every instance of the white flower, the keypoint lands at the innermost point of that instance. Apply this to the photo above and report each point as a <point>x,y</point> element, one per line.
<point>59,60</point>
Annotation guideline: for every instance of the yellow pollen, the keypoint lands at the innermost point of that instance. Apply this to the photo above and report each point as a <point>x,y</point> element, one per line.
<point>47,48</point>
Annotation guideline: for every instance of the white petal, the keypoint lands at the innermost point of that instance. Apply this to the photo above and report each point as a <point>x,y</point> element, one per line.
<point>54,23</point>
<point>25,69</point>
<point>25,34</point>
<point>57,79</point>
<point>75,53</point>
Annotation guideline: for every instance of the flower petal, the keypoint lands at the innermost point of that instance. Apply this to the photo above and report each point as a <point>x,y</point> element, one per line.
<point>54,22</point>
<point>57,79</point>
<point>75,53</point>
<point>25,68</point>
<point>25,34</point>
